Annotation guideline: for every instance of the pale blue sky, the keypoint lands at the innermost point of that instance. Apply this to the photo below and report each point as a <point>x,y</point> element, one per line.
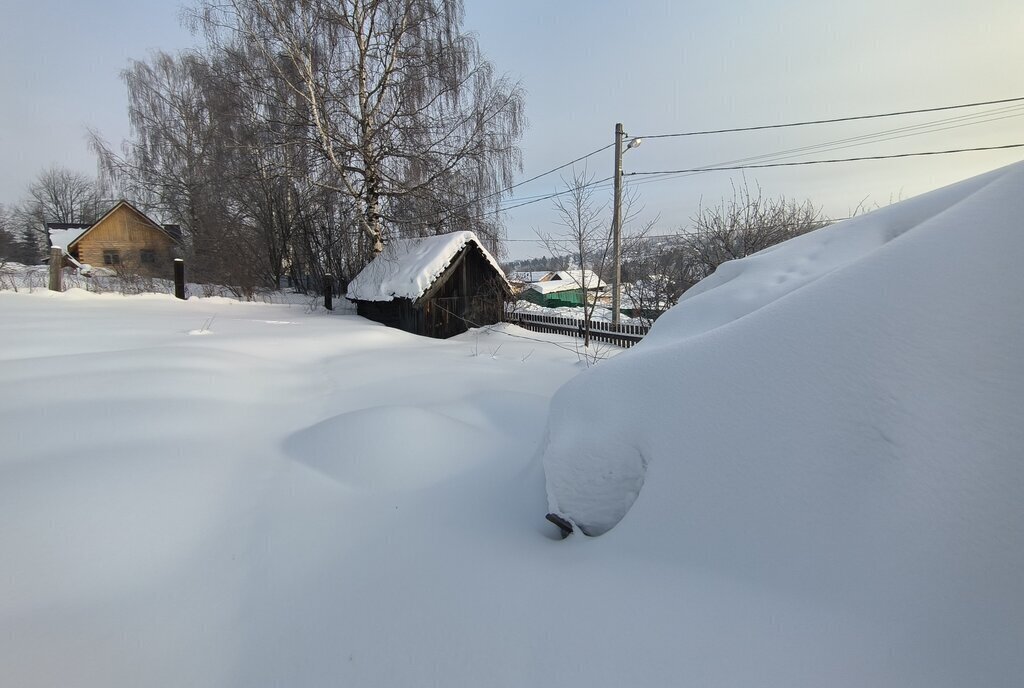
<point>657,66</point>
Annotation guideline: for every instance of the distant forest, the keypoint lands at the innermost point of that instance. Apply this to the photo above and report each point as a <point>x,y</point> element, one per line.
<point>544,264</point>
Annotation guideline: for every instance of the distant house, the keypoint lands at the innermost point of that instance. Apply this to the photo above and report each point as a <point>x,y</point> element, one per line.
<point>125,238</point>
<point>565,288</point>
<point>436,286</point>
<point>522,279</point>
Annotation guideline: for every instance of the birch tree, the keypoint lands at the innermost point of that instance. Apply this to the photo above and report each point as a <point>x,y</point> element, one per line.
<point>396,99</point>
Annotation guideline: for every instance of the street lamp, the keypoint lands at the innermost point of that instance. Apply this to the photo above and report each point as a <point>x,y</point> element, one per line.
<point>617,219</point>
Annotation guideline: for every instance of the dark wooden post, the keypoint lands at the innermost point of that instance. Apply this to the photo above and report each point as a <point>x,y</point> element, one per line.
<point>329,292</point>
<point>56,263</point>
<point>179,279</point>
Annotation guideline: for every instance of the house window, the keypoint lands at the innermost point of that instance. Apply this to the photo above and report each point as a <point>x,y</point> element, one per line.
<point>147,256</point>
<point>111,257</point>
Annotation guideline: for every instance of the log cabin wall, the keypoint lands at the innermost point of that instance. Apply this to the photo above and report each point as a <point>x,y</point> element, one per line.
<point>129,234</point>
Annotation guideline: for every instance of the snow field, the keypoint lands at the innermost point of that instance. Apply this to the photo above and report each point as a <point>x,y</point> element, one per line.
<point>808,474</point>
<point>246,507</point>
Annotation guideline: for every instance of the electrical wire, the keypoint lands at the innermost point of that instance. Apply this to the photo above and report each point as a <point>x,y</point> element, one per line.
<point>448,214</point>
<point>834,160</point>
<point>831,121</point>
<point>839,144</point>
<point>667,174</point>
<point>886,135</point>
<point>827,146</point>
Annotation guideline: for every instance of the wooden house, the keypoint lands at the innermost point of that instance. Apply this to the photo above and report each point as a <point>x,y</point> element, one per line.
<point>436,286</point>
<point>125,239</point>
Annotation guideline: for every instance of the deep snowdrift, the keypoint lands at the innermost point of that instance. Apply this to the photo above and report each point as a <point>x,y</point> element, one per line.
<point>837,420</point>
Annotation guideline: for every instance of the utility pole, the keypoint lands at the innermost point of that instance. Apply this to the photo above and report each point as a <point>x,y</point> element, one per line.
<point>616,225</point>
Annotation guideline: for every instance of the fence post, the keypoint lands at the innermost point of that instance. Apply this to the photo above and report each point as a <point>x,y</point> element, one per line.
<point>56,263</point>
<point>329,292</point>
<point>179,278</point>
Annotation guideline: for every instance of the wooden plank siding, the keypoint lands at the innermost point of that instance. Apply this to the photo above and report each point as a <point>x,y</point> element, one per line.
<point>469,293</point>
<point>128,232</point>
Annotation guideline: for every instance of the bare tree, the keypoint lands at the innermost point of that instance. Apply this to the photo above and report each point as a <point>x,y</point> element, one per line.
<point>170,165</point>
<point>190,160</point>
<point>588,237</point>
<point>61,195</point>
<point>55,195</point>
<point>744,224</point>
<point>655,275</point>
<point>660,270</point>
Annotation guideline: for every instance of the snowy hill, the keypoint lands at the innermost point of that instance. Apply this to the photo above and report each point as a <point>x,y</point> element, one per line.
<point>837,424</point>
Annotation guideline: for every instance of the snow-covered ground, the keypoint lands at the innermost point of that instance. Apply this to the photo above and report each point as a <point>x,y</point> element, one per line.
<point>212,493</point>
<point>819,455</point>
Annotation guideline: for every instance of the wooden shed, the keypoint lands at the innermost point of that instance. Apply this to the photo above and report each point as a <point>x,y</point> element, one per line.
<point>125,238</point>
<point>436,286</point>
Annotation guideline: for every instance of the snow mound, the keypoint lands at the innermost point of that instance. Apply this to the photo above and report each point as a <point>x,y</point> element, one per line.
<point>840,417</point>
<point>388,447</point>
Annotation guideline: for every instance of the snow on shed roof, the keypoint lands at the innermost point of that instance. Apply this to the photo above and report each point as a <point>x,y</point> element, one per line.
<point>408,267</point>
<point>63,234</point>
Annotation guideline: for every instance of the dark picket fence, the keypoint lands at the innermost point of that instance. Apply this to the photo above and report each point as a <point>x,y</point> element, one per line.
<point>625,335</point>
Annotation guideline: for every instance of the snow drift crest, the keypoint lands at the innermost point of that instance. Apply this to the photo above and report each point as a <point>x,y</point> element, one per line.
<point>854,351</point>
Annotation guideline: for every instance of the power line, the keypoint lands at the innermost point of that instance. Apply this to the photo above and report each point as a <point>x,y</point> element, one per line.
<point>445,215</point>
<point>889,134</point>
<point>551,171</point>
<point>667,174</point>
<point>831,121</point>
<point>825,222</point>
<point>831,145</point>
<point>553,195</point>
<point>875,137</point>
<point>833,160</point>
<point>698,170</point>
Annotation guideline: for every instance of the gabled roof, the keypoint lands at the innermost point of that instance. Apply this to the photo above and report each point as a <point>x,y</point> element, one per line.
<point>568,280</point>
<point>65,234</point>
<point>408,267</point>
